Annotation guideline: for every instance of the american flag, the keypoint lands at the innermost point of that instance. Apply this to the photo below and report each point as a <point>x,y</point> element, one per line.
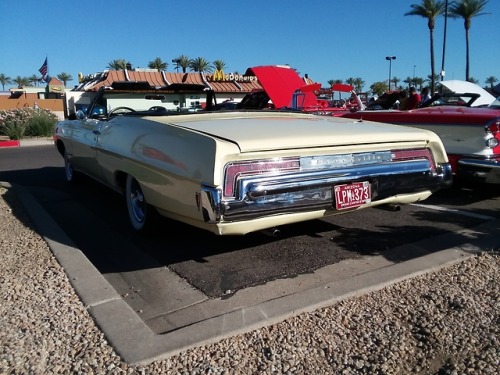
<point>44,68</point>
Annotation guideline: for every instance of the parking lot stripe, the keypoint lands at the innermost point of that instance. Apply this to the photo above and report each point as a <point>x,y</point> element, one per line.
<point>458,212</point>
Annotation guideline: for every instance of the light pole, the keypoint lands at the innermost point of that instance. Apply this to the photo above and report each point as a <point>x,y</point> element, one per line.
<point>444,43</point>
<point>390,58</point>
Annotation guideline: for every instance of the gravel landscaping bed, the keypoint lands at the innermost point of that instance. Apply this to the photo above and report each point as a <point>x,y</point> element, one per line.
<point>445,322</point>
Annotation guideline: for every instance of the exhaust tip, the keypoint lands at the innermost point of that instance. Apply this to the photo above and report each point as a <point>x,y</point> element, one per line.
<point>272,232</point>
<point>390,207</point>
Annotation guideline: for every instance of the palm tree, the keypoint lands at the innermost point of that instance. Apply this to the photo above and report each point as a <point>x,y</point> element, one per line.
<point>379,88</point>
<point>467,9</point>
<point>358,84</point>
<point>350,81</point>
<point>396,80</point>
<point>473,80</point>
<point>158,64</point>
<point>418,82</point>
<point>429,9</point>
<point>408,81</point>
<point>64,77</point>
<point>199,64</point>
<point>21,81</point>
<point>34,79</point>
<point>432,82</point>
<point>118,64</point>
<point>183,62</point>
<point>491,80</point>
<point>219,65</point>
<point>5,80</point>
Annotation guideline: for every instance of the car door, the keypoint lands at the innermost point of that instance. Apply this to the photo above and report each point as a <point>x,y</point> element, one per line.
<point>84,136</point>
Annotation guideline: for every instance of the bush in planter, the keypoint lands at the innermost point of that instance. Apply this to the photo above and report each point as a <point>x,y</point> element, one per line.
<point>41,123</point>
<point>18,123</point>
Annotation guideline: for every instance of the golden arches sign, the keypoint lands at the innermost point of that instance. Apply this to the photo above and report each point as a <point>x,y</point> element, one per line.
<point>220,76</point>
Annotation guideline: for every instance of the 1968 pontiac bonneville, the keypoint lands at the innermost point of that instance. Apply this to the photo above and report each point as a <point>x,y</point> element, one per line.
<point>235,172</point>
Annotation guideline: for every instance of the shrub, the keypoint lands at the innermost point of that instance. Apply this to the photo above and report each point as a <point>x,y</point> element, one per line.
<point>41,123</point>
<point>18,123</point>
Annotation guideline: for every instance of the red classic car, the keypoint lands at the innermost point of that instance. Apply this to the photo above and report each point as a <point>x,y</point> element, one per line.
<point>471,136</point>
<point>469,130</point>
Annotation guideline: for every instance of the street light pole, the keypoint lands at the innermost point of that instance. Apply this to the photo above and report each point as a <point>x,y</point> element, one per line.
<point>390,58</point>
<point>444,41</point>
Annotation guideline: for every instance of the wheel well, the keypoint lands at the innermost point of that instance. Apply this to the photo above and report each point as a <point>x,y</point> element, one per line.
<point>121,179</point>
<point>60,147</point>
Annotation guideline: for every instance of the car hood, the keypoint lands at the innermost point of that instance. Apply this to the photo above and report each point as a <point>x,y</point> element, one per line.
<point>464,86</point>
<point>280,131</point>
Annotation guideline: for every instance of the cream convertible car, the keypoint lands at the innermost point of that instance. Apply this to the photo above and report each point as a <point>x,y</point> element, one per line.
<point>236,172</point>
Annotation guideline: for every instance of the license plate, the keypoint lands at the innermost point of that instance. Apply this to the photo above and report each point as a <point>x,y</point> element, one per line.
<point>352,195</point>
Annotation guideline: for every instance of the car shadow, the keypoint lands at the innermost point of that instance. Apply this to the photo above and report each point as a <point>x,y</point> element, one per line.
<point>95,220</point>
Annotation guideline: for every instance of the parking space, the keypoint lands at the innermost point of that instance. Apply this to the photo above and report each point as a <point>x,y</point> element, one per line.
<point>180,286</point>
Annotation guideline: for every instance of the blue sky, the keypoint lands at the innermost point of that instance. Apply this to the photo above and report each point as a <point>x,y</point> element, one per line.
<point>325,39</point>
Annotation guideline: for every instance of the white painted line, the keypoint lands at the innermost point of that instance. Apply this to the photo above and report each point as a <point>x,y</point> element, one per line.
<point>458,212</point>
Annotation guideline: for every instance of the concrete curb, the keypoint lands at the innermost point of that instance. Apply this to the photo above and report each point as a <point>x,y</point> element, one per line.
<point>10,143</point>
<point>38,141</point>
<point>136,343</point>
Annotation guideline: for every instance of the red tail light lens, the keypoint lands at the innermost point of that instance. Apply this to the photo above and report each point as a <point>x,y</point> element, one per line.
<point>269,166</point>
<point>494,128</point>
<point>237,170</point>
<point>421,153</point>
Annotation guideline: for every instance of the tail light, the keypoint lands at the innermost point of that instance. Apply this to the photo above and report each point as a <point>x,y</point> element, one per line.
<point>494,130</point>
<point>415,154</point>
<point>234,171</point>
<point>237,170</point>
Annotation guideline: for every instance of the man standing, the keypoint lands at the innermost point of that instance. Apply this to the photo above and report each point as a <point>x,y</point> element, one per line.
<point>413,100</point>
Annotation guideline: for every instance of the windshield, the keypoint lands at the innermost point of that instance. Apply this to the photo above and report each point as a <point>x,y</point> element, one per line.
<point>496,103</point>
<point>160,102</point>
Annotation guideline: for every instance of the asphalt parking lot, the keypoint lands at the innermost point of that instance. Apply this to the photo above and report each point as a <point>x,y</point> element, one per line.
<point>182,287</point>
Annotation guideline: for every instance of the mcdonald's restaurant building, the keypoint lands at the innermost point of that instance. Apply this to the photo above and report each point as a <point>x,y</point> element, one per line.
<point>65,102</point>
<point>227,86</point>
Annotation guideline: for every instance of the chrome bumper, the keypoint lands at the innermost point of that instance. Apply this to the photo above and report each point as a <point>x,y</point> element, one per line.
<point>298,192</point>
<point>480,170</point>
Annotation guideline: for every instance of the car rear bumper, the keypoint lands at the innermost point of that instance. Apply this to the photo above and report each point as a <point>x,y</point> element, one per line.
<point>480,170</point>
<point>303,192</point>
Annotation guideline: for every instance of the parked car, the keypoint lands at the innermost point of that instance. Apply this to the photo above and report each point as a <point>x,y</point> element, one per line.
<point>235,172</point>
<point>495,104</point>
<point>453,86</point>
<point>471,135</point>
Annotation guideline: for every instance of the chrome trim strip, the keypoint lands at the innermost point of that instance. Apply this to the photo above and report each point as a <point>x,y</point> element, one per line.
<point>489,163</point>
<point>480,170</point>
<point>209,203</point>
<point>344,160</point>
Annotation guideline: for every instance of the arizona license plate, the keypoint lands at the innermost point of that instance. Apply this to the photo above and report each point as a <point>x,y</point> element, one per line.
<point>352,195</point>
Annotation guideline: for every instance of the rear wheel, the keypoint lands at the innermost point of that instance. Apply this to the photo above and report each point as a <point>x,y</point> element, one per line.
<point>142,215</point>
